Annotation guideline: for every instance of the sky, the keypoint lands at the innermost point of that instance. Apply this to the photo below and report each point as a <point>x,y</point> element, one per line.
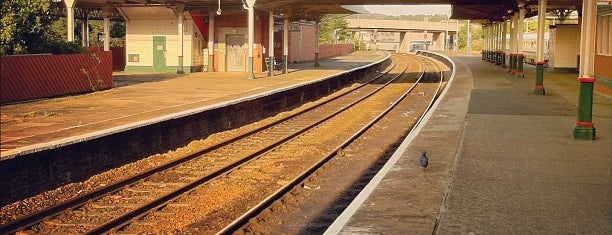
<point>407,9</point>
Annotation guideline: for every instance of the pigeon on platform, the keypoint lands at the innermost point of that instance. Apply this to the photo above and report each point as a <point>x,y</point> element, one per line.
<point>424,160</point>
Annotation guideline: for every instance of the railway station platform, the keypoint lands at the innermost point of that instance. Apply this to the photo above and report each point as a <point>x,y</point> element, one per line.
<point>502,160</point>
<point>141,99</point>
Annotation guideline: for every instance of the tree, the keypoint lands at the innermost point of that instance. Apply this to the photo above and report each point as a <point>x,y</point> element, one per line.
<point>27,26</point>
<point>476,32</point>
<point>331,24</point>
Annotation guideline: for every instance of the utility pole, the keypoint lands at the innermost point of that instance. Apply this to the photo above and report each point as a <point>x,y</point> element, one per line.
<point>469,38</point>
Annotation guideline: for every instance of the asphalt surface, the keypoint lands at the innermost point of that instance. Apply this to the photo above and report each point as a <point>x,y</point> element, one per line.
<point>502,160</point>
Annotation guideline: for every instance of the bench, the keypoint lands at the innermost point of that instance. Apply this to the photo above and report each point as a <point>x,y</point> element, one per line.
<point>278,63</point>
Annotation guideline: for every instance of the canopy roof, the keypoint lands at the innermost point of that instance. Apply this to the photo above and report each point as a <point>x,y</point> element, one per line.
<point>478,10</point>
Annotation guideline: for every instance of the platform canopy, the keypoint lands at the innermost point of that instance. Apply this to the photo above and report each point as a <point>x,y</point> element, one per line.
<point>478,10</point>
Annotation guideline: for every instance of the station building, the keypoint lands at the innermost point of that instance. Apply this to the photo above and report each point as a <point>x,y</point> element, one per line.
<point>152,40</point>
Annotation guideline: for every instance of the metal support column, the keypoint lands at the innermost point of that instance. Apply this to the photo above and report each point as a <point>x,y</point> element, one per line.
<point>106,13</point>
<point>85,31</point>
<point>285,43</point>
<point>584,128</point>
<point>181,38</point>
<point>519,43</point>
<point>497,44</point>
<point>492,43</point>
<point>469,38</point>
<point>503,43</point>
<point>70,19</point>
<point>513,34</point>
<point>271,44</point>
<point>251,36</point>
<point>317,25</point>
<point>484,43</point>
<point>211,41</point>
<point>539,81</point>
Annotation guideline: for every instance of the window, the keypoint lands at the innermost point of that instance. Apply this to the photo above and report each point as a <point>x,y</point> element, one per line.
<point>604,36</point>
<point>134,58</point>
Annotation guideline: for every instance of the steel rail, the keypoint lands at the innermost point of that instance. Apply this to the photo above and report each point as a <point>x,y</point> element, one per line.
<point>243,219</point>
<point>76,202</point>
<point>127,218</point>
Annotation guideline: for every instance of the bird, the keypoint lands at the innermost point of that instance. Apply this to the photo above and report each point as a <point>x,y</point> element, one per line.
<point>424,160</point>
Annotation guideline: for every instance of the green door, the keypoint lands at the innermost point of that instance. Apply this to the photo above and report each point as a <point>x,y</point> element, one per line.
<point>159,53</point>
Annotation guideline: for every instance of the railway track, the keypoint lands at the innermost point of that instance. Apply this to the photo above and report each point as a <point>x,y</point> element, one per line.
<point>274,157</point>
<point>430,81</point>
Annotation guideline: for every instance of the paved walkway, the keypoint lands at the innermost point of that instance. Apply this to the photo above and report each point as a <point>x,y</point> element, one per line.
<point>140,99</point>
<point>501,161</point>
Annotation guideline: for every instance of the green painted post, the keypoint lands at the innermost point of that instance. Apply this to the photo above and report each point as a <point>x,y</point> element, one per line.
<point>584,128</point>
<point>270,66</point>
<point>539,81</point>
<point>211,60</point>
<point>285,64</point>
<point>250,74</point>
<point>512,68</point>
<point>519,66</point>
<point>180,63</point>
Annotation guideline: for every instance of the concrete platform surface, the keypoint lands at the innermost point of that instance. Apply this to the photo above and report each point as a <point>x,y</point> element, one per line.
<point>502,160</point>
<point>141,99</point>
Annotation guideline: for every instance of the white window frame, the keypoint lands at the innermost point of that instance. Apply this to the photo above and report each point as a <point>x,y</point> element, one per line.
<point>604,35</point>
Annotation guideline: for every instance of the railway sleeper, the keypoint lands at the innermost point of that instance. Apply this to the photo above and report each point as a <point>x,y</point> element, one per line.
<point>112,206</point>
<point>64,225</point>
<point>162,185</point>
<point>146,191</point>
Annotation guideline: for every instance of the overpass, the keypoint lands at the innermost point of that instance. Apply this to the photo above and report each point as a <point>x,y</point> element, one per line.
<point>404,36</point>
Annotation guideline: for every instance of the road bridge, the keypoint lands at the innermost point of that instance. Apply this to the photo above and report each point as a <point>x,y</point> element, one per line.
<point>404,36</point>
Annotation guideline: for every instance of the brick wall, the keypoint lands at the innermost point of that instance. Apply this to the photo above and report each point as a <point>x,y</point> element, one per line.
<point>330,50</point>
<point>603,73</point>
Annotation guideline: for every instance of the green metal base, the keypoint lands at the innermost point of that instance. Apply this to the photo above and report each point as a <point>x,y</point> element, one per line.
<point>539,81</point>
<point>285,64</point>
<point>211,65</point>
<point>519,66</point>
<point>181,69</point>
<point>584,133</point>
<point>539,91</point>
<point>250,74</point>
<point>270,66</point>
